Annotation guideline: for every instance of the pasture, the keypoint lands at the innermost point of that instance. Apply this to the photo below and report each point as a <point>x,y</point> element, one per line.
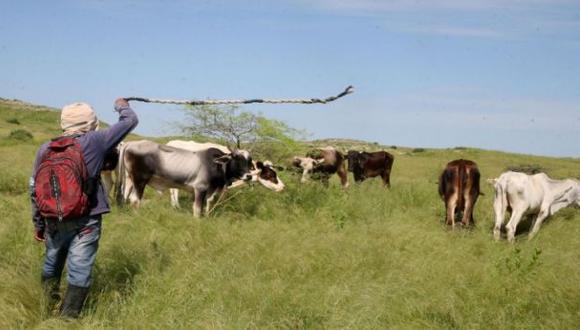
<point>309,257</point>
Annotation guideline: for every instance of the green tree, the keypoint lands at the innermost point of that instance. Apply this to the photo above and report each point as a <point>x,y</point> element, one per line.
<point>230,125</point>
<point>227,124</point>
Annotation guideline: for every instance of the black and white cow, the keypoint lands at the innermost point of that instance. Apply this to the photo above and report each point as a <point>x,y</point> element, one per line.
<point>263,172</point>
<point>205,173</point>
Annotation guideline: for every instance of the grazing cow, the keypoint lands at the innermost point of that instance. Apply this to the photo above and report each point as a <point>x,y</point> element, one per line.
<point>324,161</point>
<point>205,173</point>
<point>459,189</point>
<point>536,195</point>
<point>370,164</point>
<point>263,172</point>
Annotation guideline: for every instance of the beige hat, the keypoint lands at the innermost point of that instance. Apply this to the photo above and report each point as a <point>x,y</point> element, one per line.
<point>78,118</point>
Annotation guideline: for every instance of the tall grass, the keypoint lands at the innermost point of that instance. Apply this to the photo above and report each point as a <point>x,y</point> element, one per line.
<point>309,257</point>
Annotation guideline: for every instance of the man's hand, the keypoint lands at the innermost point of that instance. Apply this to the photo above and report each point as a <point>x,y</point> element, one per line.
<point>39,235</point>
<point>121,103</point>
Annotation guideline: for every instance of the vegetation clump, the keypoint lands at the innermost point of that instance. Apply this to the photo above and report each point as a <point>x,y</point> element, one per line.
<point>20,135</point>
<point>13,120</point>
<point>527,168</point>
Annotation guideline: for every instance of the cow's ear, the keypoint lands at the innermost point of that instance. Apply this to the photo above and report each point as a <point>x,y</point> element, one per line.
<point>223,159</point>
<point>259,165</point>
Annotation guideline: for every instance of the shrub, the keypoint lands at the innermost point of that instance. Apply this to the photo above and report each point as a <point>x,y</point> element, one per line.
<point>13,183</point>
<point>393,147</point>
<point>416,150</point>
<point>21,135</point>
<point>528,168</point>
<point>460,148</point>
<point>13,121</point>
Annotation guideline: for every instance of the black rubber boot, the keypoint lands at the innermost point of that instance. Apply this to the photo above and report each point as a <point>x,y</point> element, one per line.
<point>73,301</point>
<point>51,288</point>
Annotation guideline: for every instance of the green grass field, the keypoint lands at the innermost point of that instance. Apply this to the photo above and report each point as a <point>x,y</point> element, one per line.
<point>309,257</point>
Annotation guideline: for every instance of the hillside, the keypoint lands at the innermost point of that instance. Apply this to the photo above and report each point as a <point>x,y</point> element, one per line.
<point>309,257</point>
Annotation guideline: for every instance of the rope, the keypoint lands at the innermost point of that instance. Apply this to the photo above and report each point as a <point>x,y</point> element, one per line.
<point>347,91</point>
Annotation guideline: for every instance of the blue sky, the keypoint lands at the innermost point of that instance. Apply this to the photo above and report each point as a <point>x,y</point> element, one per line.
<point>494,74</point>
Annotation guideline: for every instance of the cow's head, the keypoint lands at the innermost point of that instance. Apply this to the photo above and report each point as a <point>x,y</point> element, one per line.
<point>353,159</point>
<point>356,160</point>
<point>268,177</point>
<point>306,163</point>
<point>238,165</point>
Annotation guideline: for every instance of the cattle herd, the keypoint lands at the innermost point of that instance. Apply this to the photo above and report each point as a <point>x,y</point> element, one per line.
<point>208,170</point>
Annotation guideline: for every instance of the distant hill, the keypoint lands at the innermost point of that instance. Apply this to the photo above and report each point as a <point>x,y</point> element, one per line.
<point>22,105</point>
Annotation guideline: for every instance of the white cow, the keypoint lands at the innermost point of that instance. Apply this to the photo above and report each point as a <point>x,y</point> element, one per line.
<point>263,172</point>
<point>530,195</point>
<point>327,162</point>
<point>307,164</point>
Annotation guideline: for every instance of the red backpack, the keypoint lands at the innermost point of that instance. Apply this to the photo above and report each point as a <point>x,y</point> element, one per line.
<point>61,181</point>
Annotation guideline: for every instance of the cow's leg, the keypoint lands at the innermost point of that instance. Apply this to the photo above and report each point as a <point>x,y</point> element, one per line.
<point>467,211</point>
<point>129,193</point>
<point>199,202</point>
<point>387,179</point>
<point>517,214</point>
<point>451,206</point>
<point>174,193</point>
<point>470,197</point>
<point>212,196</point>
<point>305,176</point>
<point>541,217</point>
<point>137,192</point>
<point>343,176</point>
<point>499,208</point>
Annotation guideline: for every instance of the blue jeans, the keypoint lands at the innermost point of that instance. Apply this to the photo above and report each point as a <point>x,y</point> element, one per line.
<point>74,242</point>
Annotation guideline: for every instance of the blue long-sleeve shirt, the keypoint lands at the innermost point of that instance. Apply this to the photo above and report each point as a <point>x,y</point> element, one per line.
<point>95,145</point>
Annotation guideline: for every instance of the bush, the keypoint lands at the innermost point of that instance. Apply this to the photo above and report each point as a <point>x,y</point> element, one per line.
<point>416,150</point>
<point>528,168</point>
<point>460,148</point>
<point>21,135</point>
<point>13,121</point>
<point>393,147</point>
<point>13,183</point>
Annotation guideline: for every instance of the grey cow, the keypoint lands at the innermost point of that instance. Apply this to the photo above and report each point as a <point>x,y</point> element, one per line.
<point>204,173</point>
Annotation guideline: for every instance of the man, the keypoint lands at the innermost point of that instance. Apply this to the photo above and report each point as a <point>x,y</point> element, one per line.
<point>75,241</point>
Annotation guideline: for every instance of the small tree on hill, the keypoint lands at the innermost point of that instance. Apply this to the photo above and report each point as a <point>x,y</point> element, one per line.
<point>228,124</point>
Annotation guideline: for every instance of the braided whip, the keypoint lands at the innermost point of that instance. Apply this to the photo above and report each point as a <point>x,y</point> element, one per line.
<point>348,90</point>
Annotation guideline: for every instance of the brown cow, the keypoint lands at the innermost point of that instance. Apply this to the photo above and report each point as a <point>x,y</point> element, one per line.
<point>370,164</point>
<point>459,189</point>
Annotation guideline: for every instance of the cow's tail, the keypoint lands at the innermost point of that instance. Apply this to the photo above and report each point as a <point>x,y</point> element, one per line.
<point>121,177</point>
<point>461,183</point>
<point>500,204</point>
<point>443,183</point>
